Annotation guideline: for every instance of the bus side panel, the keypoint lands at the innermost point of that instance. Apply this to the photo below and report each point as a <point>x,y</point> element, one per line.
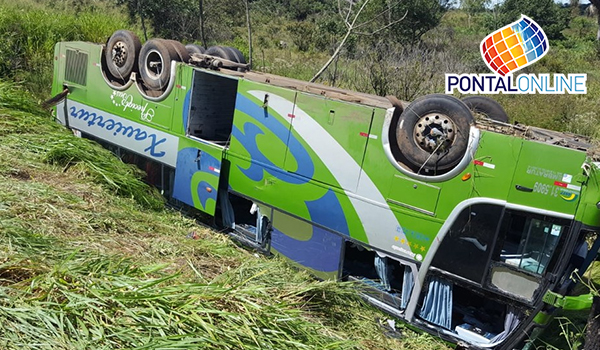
<point>337,132</point>
<point>544,183</point>
<point>310,246</point>
<point>260,133</point>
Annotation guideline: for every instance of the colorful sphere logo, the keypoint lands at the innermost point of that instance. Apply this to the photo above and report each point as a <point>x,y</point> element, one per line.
<point>514,46</point>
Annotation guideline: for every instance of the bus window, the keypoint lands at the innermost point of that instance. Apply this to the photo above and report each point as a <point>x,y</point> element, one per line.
<point>529,242</point>
<point>526,249</point>
<point>467,246</point>
<point>212,106</point>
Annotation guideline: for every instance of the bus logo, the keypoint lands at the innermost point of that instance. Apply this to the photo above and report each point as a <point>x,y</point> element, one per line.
<point>514,46</point>
<point>568,196</point>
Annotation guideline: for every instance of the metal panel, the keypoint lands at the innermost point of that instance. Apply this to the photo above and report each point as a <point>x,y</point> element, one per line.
<point>414,195</point>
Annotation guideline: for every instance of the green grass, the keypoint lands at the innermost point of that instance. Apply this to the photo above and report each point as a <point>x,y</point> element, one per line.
<point>87,265</point>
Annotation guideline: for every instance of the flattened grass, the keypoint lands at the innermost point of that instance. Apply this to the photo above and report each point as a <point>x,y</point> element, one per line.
<point>85,264</point>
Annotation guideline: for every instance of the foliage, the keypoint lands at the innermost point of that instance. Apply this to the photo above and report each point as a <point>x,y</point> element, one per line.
<point>30,31</point>
<point>421,16</point>
<point>180,19</point>
<point>58,147</point>
<point>474,6</point>
<point>548,14</point>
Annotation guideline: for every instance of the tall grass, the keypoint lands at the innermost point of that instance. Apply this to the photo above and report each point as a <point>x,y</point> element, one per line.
<point>83,269</point>
<point>25,126</point>
<point>54,298</point>
<point>30,29</point>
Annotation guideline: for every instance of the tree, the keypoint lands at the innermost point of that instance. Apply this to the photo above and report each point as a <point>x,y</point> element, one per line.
<point>548,14</point>
<point>421,17</point>
<point>398,21</point>
<point>596,5</point>
<point>353,19</point>
<point>189,20</point>
<point>473,7</point>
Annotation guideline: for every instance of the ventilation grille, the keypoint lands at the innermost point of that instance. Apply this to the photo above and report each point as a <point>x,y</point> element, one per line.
<point>76,70</point>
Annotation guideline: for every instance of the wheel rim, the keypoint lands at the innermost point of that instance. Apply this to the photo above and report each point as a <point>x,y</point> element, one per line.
<point>434,132</point>
<point>119,53</point>
<point>154,64</point>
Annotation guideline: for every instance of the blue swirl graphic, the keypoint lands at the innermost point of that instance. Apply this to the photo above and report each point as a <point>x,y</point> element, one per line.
<point>327,211</point>
<point>321,252</point>
<point>260,162</point>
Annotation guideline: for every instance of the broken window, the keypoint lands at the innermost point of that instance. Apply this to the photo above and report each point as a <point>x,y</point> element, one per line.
<point>212,106</point>
<point>479,319</point>
<point>386,279</point>
<point>529,241</point>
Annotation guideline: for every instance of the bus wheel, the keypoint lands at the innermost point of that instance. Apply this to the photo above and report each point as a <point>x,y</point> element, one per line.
<point>222,52</point>
<point>193,48</point>
<point>155,63</point>
<point>239,56</point>
<point>487,107</point>
<point>121,52</point>
<point>180,50</point>
<point>433,133</point>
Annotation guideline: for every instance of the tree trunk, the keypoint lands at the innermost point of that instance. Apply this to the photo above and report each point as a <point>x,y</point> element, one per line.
<point>333,57</point>
<point>596,5</point>
<point>592,339</point>
<point>249,34</point>
<point>142,19</point>
<point>201,16</point>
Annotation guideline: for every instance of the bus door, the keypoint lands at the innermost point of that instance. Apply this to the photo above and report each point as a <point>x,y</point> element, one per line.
<point>208,110</point>
<point>337,133</point>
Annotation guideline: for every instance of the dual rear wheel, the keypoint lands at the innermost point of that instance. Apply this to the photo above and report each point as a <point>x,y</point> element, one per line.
<point>124,54</point>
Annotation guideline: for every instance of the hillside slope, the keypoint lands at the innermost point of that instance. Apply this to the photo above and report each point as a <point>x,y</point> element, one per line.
<point>84,267</point>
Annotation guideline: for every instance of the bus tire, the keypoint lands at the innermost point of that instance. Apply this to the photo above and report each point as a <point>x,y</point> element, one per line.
<point>487,107</point>
<point>121,53</point>
<point>193,48</point>
<point>239,56</point>
<point>433,133</point>
<point>155,63</point>
<point>180,50</point>
<point>222,52</point>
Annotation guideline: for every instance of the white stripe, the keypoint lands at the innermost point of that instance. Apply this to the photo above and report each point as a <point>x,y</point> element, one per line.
<point>574,187</point>
<point>379,222</point>
<point>488,165</point>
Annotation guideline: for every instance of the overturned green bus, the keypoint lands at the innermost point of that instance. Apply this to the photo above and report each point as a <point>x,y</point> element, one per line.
<point>470,229</point>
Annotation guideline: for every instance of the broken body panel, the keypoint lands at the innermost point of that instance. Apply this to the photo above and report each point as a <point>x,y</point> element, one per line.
<point>306,171</point>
